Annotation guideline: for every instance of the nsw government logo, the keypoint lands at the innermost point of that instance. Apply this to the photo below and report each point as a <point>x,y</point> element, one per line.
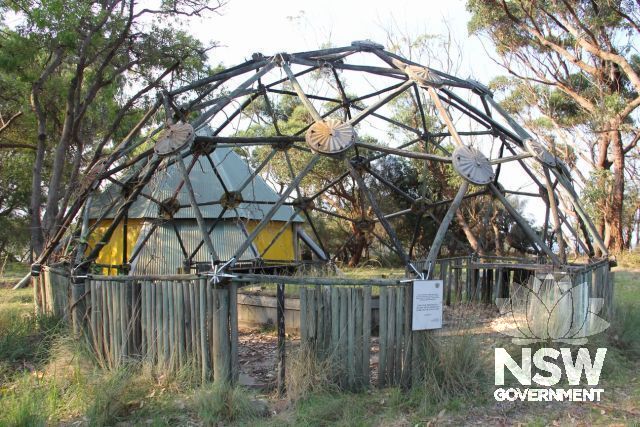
<point>557,318</point>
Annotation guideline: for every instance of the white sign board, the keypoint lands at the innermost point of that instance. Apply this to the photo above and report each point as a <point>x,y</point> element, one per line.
<point>427,304</point>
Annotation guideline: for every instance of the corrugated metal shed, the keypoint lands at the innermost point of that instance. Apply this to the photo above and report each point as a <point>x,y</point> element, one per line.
<point>162,253</point>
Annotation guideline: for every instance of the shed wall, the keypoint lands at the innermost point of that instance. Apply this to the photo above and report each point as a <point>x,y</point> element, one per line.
<point>112,252</point>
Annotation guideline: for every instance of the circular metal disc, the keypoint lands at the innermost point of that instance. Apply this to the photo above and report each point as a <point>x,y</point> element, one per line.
<point>472,165</point>
<point>173,139</point>
<point>330,136</point>
<point>538,151</point>
<point>423,76</point>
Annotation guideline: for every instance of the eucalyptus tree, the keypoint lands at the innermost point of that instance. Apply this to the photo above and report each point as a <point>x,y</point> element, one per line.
<point>89,68</point>
<point>576,71</point>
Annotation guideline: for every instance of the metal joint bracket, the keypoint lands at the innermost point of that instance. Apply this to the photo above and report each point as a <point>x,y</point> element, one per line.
<point>281,58</point>
<point>283,145</point>
<point>218,274</point>
<point>168,208</point>
<point>231,200</point>
<point>304,203</point>
<point>479,88</point>
<point>420,205</point>
<point>367,45</point>
<point>203,146</point>
<point>421,274</point>
<point>36,269</point>
<point>359,163</point>
<point>365,225</point>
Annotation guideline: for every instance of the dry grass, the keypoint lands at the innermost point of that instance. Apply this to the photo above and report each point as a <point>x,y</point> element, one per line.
<point>306,374</point>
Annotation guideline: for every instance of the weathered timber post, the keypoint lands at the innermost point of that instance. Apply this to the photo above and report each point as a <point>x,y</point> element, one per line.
<point>35,281</point>
<point>220,344</point>
<point>405,378</point>
<point>204,346</point>
<point>233,330</point>
<point>78,304</point>
<point>382,336</point>
<point>281,339</point>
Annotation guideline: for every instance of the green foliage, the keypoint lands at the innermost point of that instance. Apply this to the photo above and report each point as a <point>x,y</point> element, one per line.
<point>92,68</point>
<point>15,180</point>
<point>597,196</point>
<point>575,84</point>
<point>597,193</point>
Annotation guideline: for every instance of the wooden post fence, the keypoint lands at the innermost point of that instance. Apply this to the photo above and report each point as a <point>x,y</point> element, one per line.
<point>183,321</point>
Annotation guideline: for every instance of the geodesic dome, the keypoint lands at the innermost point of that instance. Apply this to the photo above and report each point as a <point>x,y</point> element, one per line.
<point>348,99</point>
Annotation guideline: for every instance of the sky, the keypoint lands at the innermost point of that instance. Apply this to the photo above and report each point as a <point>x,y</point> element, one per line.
<point>248,26</point>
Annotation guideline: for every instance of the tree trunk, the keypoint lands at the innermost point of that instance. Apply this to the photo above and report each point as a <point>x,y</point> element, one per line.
<point>360,245</point>
<point>59,160</point>
<point>637,226</point>
<point>37,239</point>
<point>497,240</point>
<point>37,236</point>
<point>471,238</point>
<point>610,224</point>
<point>616,243</point>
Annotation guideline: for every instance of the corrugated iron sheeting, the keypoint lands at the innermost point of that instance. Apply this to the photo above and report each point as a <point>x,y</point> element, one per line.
<point>162,253</point>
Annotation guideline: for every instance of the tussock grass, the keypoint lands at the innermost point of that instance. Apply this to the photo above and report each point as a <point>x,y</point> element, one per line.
<point>622,341</point>
<point>307,374</point>
<point>48,377</point>
<point>25,339</point>
<point>25,409</point>
<point>454,370</point>
<point>323,409</point>
<point>109,403</point>
<point>217,404</point>
<point>51,389</point>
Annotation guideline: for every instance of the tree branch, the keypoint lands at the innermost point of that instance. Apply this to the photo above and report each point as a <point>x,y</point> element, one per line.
<point>12,145</point>
<point>5,125</point>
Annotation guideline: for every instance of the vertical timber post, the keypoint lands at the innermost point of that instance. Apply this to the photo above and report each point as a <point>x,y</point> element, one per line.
<point>281,339</point>
<point>77,302</point>
<point>233,331</point>
<point>35,279</point>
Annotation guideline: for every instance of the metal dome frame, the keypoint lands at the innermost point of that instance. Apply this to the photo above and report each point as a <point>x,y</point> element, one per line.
<point>212,98</point>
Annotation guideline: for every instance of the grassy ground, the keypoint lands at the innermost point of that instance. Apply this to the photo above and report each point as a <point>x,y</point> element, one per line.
<point>12,272</point>
<point>48,378</point>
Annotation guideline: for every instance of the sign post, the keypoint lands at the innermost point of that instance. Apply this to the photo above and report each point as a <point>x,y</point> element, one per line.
<point>427,304</point>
